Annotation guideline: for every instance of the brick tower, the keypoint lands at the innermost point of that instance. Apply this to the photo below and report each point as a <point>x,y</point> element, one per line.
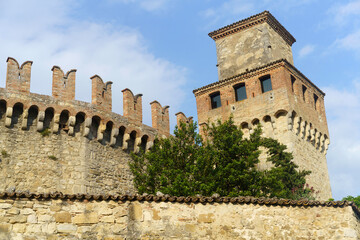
<point>259,84</point>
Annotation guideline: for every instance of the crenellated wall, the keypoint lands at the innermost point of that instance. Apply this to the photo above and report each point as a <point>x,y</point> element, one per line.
<point>56,143</point>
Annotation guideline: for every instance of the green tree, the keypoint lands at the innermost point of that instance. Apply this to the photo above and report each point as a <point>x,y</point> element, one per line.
<point>224,163</point>
<point>356,200</point>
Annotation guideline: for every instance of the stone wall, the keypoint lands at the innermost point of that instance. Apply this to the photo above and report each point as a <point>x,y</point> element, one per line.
<point>250,43</point>
<point>51,145</point>
<point>249,49</point>
<point>61,163</point>
<point>124,217</point>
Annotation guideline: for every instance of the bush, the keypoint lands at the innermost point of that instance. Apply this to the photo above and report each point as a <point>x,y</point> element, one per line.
<point>224,163</point>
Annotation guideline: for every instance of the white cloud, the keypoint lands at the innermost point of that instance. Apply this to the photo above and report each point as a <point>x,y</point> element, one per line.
<point>234,10</point>
<point>47,34</point>
<point>343,111</point>
<point>341,14</point>
<point>148,5</point>
<point>226,10</point>
<point>306,50</point>
<point>349,42</point>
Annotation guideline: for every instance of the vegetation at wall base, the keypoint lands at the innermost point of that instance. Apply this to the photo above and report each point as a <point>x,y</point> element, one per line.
<point>223,163</point>
<point>356,200</point>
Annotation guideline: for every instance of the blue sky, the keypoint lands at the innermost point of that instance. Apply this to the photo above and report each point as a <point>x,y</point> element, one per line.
<point>160,48</point>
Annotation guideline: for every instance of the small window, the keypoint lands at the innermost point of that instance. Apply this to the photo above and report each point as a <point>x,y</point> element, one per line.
<point>240,92</point>
<point>292,83</point>
<point>316,98</point>
<point>304,92</point>
<point>215,100</point>
<point>266,84</point>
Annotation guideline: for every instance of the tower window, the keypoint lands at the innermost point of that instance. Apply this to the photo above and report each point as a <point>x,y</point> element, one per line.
<point>240,92</point>
<point>304,92</point>
<point>266,83</point>
<point>215,100</point>
<point>316,98</point>
<point>292,83</point>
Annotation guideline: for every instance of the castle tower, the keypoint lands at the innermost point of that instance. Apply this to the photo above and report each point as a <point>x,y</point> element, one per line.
<point>259,84</point>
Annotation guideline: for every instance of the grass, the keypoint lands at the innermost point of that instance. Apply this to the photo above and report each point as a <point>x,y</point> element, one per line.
<point>46,132</point>
<point>4,154</point>
<point>52,157</point>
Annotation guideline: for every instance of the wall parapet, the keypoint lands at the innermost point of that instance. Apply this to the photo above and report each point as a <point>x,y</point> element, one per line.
<point>182,199</point>
<point>152,217</point>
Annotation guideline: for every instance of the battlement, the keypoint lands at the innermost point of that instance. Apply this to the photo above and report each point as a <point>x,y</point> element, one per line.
<point>56,143</point>
<point>63,112</point>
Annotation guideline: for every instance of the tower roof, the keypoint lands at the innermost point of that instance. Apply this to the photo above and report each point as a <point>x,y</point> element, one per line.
<point>254,20</point>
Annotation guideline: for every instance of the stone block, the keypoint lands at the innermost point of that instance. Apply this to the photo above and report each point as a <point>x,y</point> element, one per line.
<point>18,219</point>
<point>206,218</point>
<point>32,218</point>
<point>13,211</point>
<point>5,205</point>
<point>19,228</point>
<point>66,228</point>
<point>87,218</point>
<point>62,217</point>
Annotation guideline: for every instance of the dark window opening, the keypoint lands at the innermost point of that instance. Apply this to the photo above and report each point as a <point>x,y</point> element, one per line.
<point>316,98</point>
<point>266,83</point>
<point>18,110</point>
<point>2,108</point>
<point>215,100</point>
<point>292,83</point>
<point>255,122</point>
<point>32,115</point>
<point>107,132</point>
<point>240,92</point>
<point>49,115</point>
<point>120,137</point>
<point>131,142</point>
<point>304,92</point>
<point>79,120</point>
<point>64,118</point>
<point>144,141</point>
<point>95,123</point>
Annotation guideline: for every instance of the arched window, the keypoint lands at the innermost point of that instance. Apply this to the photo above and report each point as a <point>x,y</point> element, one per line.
<point>107,132</point>
<point>18,110</point>
<point>64,118</point>
<point>49,115</point>
<point>32,115</point>
<point>79,120</point>
<point>131,142</point>
<point>120,137</point>
<point>144,140</point>
<point>95,123</point>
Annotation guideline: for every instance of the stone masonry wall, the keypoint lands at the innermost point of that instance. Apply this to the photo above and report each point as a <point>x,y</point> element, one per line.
<point>61,163</point>
<point>49,145</point>
<point>23,218</point>
<point>249,49</point>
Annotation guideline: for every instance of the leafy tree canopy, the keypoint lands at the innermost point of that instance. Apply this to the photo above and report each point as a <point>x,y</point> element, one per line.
<point>356,200</point>
<point>224,163</point>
